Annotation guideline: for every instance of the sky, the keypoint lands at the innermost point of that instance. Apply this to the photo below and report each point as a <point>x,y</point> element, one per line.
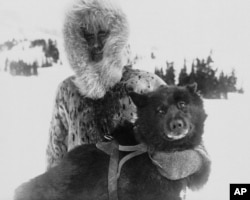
<point>192,28</point>
<point>178,29</point>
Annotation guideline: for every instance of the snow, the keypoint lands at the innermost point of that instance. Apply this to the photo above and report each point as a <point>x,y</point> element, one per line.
<point>25,110</point>
<point>227,140</point>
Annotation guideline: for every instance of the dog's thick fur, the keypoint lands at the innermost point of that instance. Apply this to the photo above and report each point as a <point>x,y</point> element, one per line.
<point>83,173</point>
<point>153,127</point>
<point>94,78</point>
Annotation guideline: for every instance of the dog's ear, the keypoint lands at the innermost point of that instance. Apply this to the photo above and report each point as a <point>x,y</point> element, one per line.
<point>140,100</point>
<point>192,87</point>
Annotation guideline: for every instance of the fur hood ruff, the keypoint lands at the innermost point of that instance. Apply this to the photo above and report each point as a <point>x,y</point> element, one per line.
<point>94,79</point>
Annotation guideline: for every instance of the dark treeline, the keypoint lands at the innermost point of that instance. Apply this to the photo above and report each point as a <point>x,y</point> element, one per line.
<point>8,45</point>
<point>49,48</point>
<point>210,84</point>
<point>21,66</point>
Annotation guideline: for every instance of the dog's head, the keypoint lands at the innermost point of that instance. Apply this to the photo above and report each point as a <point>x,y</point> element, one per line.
<point>170,118</point>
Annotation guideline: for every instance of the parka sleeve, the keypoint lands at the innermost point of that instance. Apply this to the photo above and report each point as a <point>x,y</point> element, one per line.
<point>58,131</point>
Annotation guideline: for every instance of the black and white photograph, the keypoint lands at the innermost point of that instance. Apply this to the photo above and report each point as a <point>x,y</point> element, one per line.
<point>124,99</point>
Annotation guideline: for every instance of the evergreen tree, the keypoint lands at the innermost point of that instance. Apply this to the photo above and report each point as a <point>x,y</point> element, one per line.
<point>203,73</point>
<point>192,76</point>
<point>39,42</point>
<point>241,91</point>
<point>152,55</point>
<point>169,77</point>
<point>159,72</point>
<point>183,76</point>
<point>209,58</point>
<point>232,80</point>
<point>52,51</point>
<point>222,85</point>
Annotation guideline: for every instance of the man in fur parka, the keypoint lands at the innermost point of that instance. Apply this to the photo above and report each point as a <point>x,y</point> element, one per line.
<point>90,104</point>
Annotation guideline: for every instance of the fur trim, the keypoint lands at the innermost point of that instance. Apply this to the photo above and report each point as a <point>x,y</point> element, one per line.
<point>94,79</point>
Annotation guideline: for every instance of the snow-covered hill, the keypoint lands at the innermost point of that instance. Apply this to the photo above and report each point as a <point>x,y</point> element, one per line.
<point>25,112</point>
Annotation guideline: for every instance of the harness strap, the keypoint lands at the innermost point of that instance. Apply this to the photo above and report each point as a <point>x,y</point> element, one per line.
<point>126,158</point>
<point>112,148</point>
<point>112,173</point>
<point>138,147</point>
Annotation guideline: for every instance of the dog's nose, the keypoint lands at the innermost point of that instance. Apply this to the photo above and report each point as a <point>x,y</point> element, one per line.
<point>176,124</point>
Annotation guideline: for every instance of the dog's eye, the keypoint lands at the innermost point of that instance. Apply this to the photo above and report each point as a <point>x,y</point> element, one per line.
<point>181,105</point>
<point>161,110</point>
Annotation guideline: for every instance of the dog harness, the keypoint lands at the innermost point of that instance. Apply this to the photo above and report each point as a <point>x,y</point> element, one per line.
<point>112,148</point>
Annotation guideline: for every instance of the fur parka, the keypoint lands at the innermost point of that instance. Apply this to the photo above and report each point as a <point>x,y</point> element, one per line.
<point>92,103</point>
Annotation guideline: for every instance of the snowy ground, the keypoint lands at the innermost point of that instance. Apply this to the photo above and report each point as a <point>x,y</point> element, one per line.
<point>25,111</point>
<point>227,138</point>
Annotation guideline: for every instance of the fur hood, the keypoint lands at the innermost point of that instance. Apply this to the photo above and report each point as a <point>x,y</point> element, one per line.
<point>94,79</point>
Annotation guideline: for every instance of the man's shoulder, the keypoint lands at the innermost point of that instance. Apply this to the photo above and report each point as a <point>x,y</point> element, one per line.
<point>67,87</point>
<point>141,81</point>
<point>67,84</point>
